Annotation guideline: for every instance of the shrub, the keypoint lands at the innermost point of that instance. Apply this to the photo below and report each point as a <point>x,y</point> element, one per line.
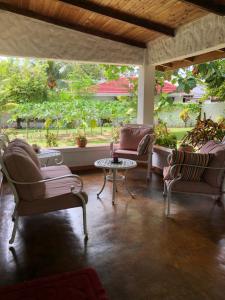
<point>163,137</point>
<point>51,139</point>
<point>169,141</point>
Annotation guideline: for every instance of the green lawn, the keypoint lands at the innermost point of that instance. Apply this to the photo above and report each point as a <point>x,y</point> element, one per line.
<point>66,137</point>
<point>179,132</point>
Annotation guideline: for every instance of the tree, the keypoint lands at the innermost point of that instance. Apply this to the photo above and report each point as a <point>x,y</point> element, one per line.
<point>213,75</point>
<point>56,74</point>
<point>23,81</point>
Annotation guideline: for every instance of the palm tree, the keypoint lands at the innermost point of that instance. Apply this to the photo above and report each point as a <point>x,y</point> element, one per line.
<point>57,74</point>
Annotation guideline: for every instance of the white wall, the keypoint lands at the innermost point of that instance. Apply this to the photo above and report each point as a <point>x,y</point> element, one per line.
<point>214,110</point>
<point>201,36</point>
<point>77,157</point>
<point>26,37</point>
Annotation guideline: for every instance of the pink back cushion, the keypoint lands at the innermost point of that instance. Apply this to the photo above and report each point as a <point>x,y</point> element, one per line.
<point>214,177</point>
<point>22,168</point>
<point>130,137</point>
<point>27,148</point>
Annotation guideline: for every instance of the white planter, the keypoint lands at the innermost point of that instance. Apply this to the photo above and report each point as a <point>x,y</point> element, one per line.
<point>75,157</point>
<point>159,159</point>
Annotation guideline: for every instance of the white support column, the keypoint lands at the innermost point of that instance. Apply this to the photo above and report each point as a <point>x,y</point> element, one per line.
<point>146,91</point>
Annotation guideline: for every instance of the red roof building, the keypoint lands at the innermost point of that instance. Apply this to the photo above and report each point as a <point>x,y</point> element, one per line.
<point>123,87</point>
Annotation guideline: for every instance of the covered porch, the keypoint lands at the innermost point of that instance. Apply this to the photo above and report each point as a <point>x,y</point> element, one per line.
<point>137,251</point>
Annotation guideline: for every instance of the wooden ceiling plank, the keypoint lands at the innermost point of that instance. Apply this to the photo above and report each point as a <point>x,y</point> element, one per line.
<point>76,27</point>
<point>208,5</point>
<point>210,56</point>
<point>122,16</point>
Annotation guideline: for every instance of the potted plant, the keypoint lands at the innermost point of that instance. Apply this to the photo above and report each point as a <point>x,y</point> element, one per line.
<point>204,131</point>
<point>81,140</point>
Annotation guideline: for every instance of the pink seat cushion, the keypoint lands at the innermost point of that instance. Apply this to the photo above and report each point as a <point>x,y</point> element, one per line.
<point>57,196</point>
<point>130,154</point>
<point>214,177</point>
<point>22,168</point>
<point>199,187</point>
<point>54,171</point>
<point>130,137</point>
<point>26,147</point>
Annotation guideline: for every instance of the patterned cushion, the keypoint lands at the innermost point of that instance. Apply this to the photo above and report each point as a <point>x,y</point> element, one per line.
<point>188,158</point>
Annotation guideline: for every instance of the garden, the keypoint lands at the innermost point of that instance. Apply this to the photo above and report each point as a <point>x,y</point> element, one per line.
<point>53,103</point>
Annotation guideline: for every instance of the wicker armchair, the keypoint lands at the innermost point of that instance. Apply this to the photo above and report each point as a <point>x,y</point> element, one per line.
<point>212,180</point>
<point>39,190</point>
<point>131,136</point>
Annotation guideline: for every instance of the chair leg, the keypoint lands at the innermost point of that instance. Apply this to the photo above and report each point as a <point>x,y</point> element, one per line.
<point>14,213</point>
<point>168,204</point>
<point>85,223</point>
<point>16,219</point>
<point>168,197</point>
<point>149,173</point>
<point>84,217</point>
<point>165,190</point>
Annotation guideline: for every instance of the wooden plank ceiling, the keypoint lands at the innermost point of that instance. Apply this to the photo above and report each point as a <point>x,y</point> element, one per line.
<point>133,22</point>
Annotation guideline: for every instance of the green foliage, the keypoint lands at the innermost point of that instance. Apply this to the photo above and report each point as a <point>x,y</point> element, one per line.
<point>23,83</point>
<point>57,73</point>
<point>210,74</point>
<point>81,137</point>
<point>163,102</point>
<point>204,131</point>
<point>185,79</point>
<point>169,141</point>
<point>163,137</point>
<point>113,72</point>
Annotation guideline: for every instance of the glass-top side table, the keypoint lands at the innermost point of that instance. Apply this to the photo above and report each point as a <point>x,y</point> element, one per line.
<point>47,155</point>
<point>107,164</point>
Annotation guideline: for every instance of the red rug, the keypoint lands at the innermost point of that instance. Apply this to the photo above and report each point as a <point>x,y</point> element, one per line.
<point>81,285</point>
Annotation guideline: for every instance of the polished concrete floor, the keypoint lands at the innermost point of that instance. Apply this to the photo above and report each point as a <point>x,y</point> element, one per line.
<point>137,251</point>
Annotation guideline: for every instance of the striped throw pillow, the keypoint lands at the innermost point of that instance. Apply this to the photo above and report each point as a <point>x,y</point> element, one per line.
<point>197,159</point>
<point>143,145</point>
<point>188,173</point>
<point>176,157</point>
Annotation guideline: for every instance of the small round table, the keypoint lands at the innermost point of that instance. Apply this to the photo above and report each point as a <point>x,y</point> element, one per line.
<point>107,164</point>
<point>45,155</point>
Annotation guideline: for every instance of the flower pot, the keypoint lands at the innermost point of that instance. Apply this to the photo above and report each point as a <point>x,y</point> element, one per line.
<point>81,143</point>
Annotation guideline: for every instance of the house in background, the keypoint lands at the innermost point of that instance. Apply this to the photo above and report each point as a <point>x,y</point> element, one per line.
<point>110,90</point>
